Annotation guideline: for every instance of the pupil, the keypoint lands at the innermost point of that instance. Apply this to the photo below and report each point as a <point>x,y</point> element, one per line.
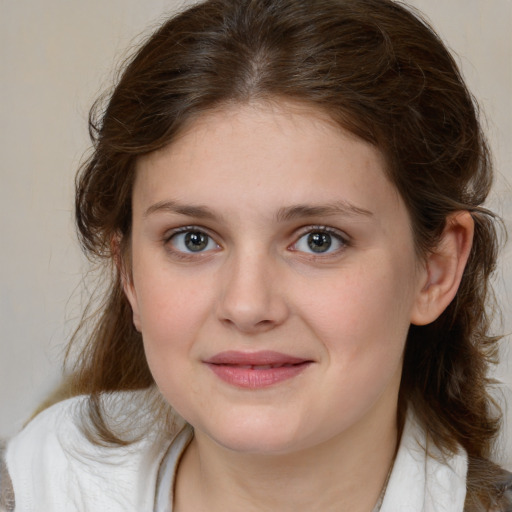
<point>196,241</point>
<point>319,242</point>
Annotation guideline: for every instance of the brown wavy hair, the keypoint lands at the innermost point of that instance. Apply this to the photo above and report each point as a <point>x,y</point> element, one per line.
<point>378,70</point>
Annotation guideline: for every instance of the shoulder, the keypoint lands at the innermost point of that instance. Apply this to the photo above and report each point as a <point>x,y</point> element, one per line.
<point>54,466</point>
<point>36,453</point>
<point>424,478</point>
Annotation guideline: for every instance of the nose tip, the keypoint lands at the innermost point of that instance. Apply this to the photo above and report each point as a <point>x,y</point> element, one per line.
<point>251,300</point>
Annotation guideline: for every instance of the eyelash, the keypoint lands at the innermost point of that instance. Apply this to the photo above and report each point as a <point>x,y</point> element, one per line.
<point>183,254</point>
<point>340,237</point>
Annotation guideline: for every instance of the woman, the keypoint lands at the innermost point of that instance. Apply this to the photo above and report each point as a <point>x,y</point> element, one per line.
<point>289,194</point>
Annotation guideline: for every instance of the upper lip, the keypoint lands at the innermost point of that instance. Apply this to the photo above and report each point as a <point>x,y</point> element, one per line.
<point>261,358</point>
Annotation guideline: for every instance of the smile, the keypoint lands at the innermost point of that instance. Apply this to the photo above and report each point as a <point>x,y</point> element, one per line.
<point>256,370</point>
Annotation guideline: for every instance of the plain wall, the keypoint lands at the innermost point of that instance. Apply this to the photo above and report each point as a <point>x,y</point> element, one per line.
<point>56,56</point>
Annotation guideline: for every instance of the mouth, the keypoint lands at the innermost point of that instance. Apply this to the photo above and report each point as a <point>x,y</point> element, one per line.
<point>262,366</point>
<point>257,369</point>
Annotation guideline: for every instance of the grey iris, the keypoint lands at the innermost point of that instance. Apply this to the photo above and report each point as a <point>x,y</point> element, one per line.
<point>319,242</point>
<point>196,241</point>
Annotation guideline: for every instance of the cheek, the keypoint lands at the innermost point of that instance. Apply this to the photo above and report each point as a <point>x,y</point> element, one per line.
<point>165,297</point>
<point>362,315</point>
<point>171,310</point>
<point>171,318</point>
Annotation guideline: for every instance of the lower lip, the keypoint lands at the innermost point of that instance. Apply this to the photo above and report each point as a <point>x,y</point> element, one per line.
<point>250,378</point>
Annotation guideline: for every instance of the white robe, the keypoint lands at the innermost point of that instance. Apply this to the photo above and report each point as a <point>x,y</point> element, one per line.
<point>54,468</point>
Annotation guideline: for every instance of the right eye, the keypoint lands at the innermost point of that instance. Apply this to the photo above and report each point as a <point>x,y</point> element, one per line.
<point>192,241</point>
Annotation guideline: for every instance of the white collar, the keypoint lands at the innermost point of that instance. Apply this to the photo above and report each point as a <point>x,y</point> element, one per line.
<point>168,468</point>
<point>423,479</point>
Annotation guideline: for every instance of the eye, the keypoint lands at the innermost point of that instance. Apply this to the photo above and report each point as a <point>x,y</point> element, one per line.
<point>192,241</point>
<point>320,241</point>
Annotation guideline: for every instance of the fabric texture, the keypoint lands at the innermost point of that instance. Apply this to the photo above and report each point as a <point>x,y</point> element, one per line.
<point>7,502</point>
<point>423,479</point>
<point>53,467</point>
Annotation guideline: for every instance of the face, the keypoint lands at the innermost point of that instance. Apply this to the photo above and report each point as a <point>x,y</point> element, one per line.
<point>274,278</point>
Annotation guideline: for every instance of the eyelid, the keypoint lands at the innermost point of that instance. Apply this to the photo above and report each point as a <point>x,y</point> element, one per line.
<point>169,233</point>
<point>324,228</point>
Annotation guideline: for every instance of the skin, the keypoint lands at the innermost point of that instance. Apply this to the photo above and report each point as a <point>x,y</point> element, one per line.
<point>238,175</point>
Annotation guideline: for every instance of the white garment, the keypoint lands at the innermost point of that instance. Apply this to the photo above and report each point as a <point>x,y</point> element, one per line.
<point>423,479</point>
<point>55,469</point>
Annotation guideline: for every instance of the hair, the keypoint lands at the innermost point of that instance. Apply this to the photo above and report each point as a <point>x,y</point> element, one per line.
<point>379,71</point>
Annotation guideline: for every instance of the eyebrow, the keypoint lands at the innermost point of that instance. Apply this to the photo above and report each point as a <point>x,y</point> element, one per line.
<point>198,211</point>
<point>343,208</point>
<point>285,214</point>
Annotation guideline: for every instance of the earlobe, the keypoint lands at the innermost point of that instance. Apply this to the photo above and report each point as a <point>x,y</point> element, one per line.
<point>131,295</point>
<point>444,268</point>
<point>122,264</point>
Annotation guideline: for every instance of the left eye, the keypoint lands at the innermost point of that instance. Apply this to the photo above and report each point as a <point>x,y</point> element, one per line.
<point>319,242</point>
<point>192,241</point>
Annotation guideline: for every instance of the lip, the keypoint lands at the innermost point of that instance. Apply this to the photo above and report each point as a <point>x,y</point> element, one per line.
<point>254,370</point>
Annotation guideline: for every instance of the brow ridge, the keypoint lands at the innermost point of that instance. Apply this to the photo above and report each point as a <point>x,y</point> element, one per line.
<point>199,211</point>
<point>284,214</point>
<point>331,209</point>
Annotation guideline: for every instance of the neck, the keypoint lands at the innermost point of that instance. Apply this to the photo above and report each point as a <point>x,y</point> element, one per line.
<point>345,473</point>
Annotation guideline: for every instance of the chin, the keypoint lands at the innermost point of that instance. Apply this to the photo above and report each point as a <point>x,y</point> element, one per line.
<point>257,436</point>
<point>258,444</point>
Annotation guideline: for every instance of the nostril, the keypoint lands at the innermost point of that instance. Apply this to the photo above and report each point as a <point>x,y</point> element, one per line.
<point>248,325</point>
<point>265,323</point>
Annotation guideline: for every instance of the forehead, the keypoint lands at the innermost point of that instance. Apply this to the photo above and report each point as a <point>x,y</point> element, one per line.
<point>265,154</point>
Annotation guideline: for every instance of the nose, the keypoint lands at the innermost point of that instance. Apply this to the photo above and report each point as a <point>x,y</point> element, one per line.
<point>251,299</point>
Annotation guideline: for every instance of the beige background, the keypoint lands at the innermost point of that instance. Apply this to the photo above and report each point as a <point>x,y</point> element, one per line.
<point>55,57</point>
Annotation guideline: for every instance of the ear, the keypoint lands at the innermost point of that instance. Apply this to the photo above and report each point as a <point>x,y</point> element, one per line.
<point>444,267</point>
<point>123,265</point>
